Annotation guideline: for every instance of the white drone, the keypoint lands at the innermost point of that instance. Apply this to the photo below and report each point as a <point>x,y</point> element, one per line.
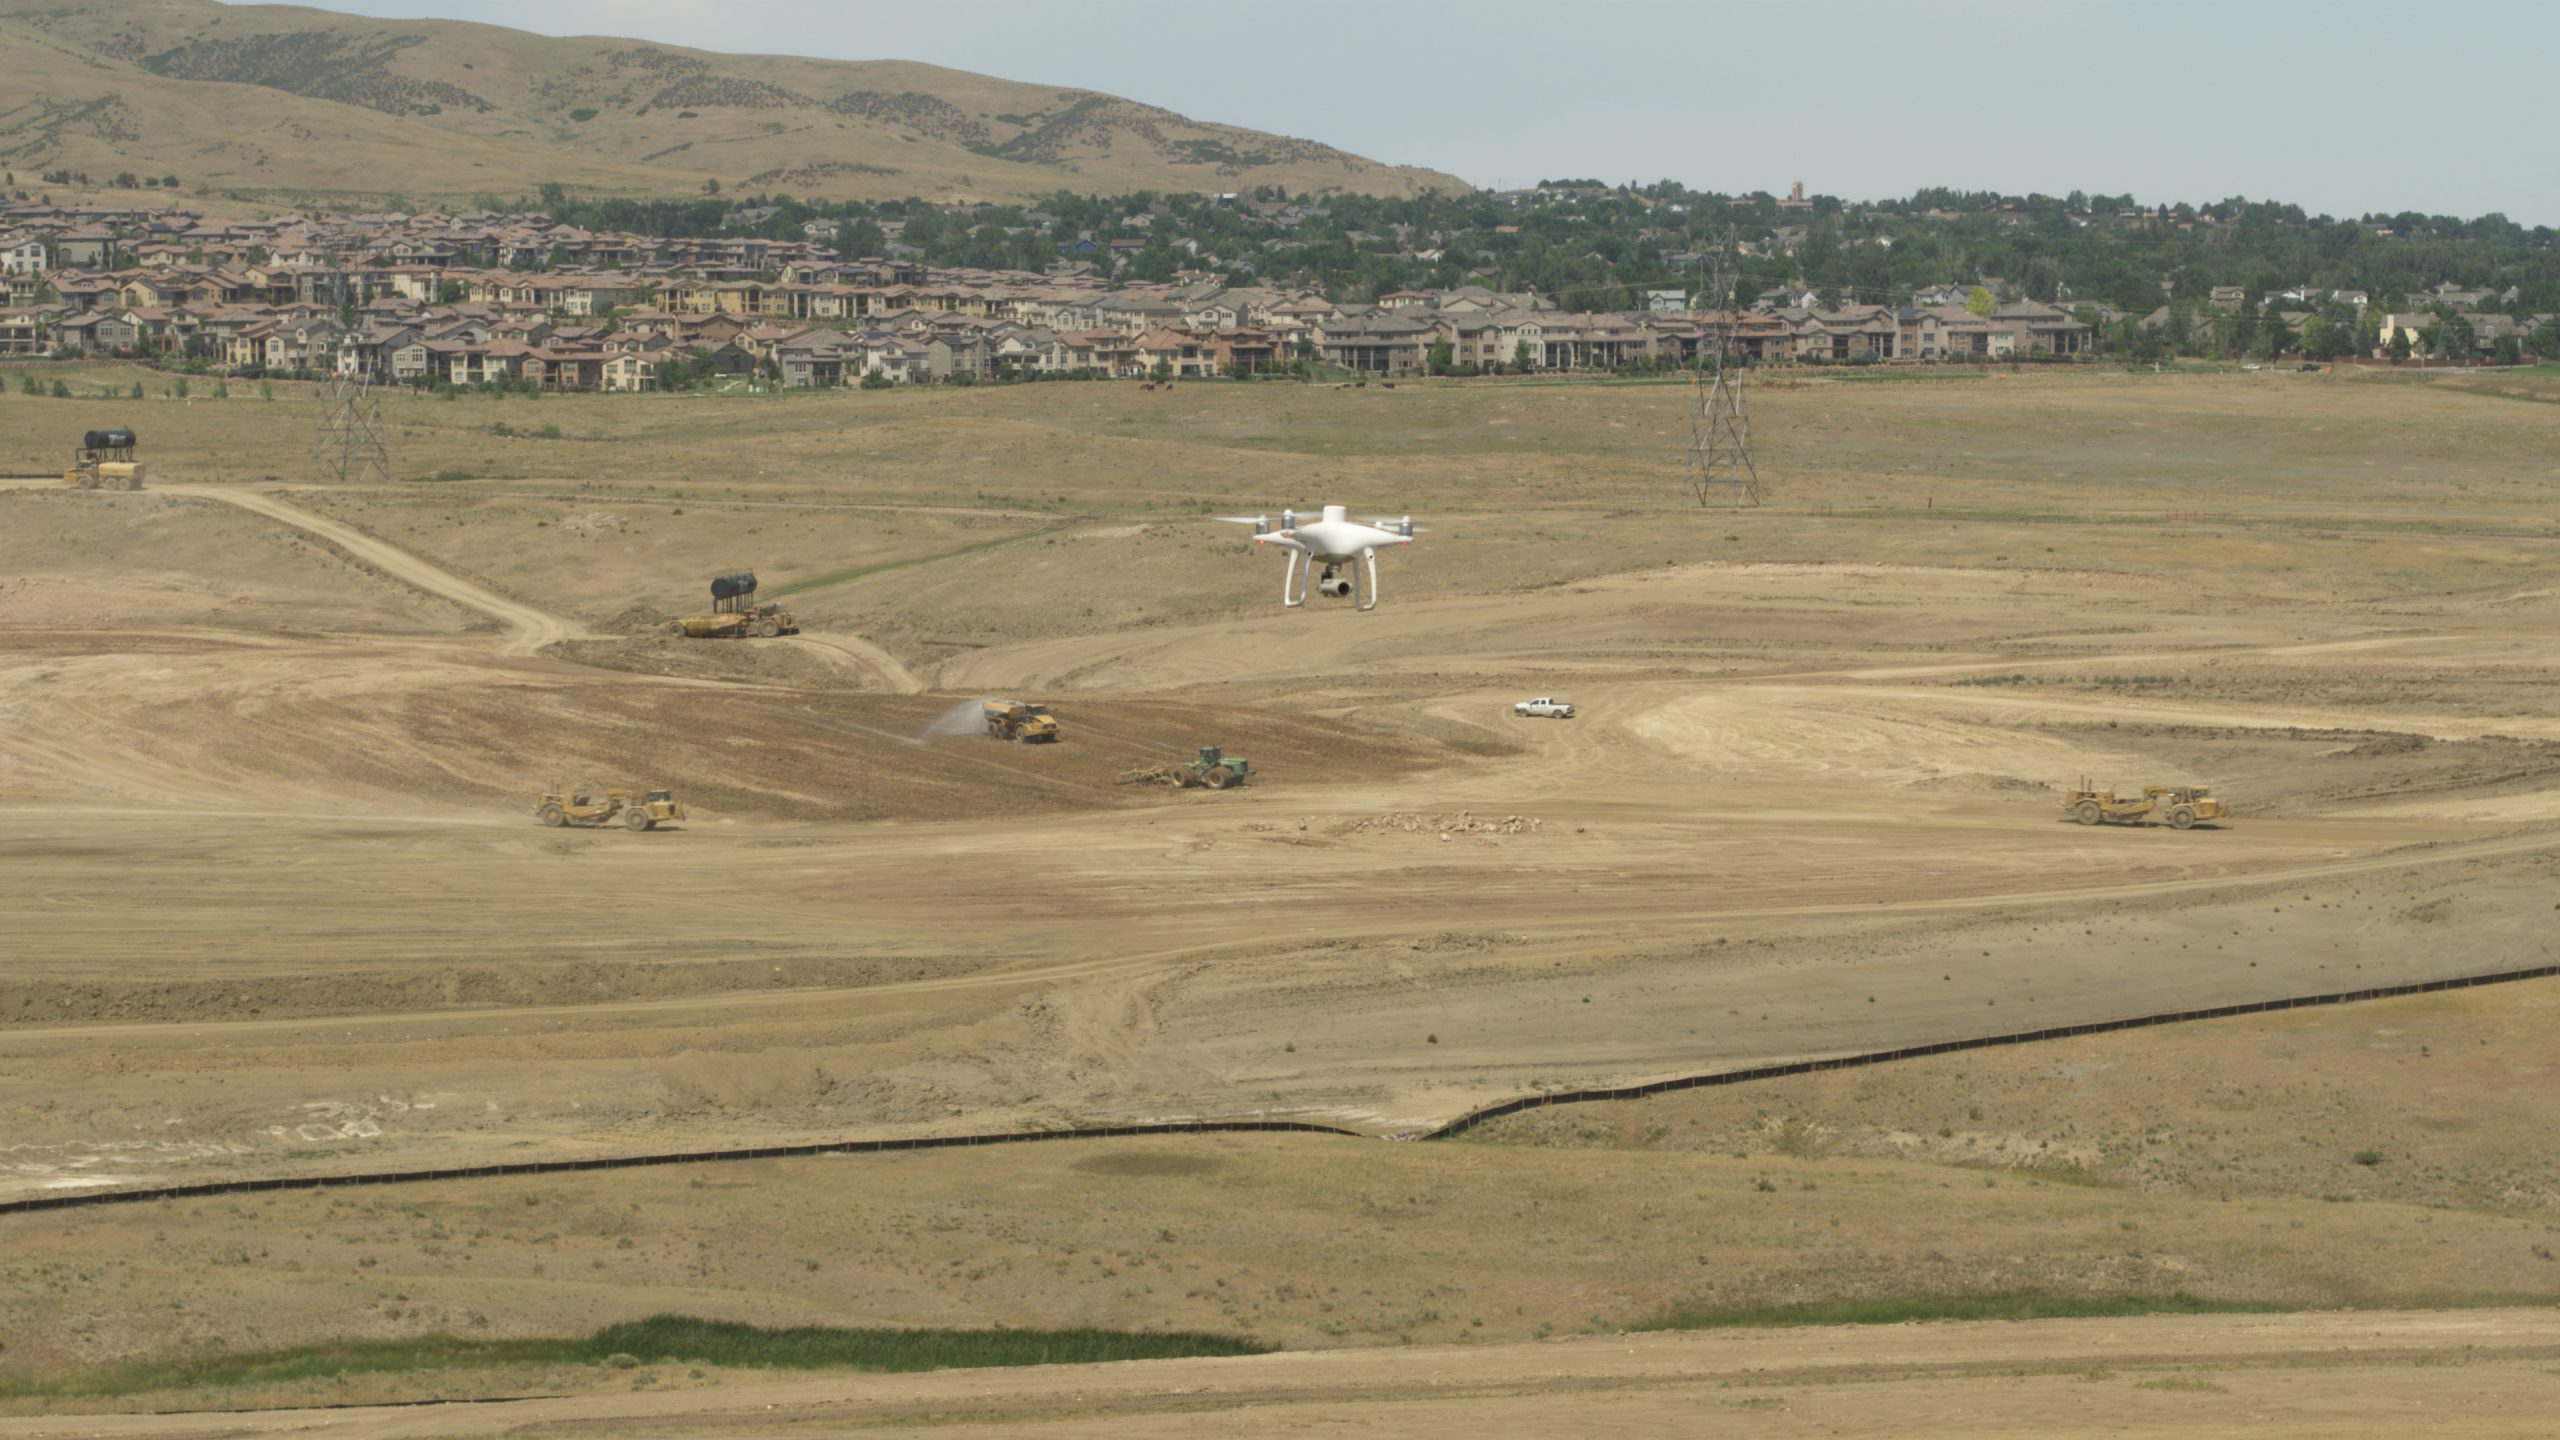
<point>1338,543</point>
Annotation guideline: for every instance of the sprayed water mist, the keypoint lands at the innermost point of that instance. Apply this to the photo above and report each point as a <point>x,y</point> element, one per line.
<point>969,717</point>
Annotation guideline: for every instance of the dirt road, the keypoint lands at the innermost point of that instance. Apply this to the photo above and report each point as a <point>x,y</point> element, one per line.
<point>527,628</point>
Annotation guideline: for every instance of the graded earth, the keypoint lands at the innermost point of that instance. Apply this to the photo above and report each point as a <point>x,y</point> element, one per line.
<point>278,905</point>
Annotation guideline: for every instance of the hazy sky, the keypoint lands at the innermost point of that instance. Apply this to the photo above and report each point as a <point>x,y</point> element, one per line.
<point>2343,106</point>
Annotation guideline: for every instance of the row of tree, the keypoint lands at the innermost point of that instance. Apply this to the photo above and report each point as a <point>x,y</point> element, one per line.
<point>1600,249</point>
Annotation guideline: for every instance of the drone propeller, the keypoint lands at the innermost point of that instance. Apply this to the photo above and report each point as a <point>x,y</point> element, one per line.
<point>1402,525</point>
<point>1241,519</point>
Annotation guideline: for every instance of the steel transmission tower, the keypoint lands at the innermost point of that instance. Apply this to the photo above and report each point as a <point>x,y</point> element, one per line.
<point>1719,469</point>
<point>348,445</point>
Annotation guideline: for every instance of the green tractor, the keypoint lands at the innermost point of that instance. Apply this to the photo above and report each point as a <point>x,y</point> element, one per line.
<point>1214,770</point>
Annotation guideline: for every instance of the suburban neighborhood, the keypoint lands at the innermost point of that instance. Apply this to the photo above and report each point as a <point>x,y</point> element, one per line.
<point>523,300</point>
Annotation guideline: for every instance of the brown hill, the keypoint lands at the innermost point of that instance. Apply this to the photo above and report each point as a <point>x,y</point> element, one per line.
<point>284,103</point>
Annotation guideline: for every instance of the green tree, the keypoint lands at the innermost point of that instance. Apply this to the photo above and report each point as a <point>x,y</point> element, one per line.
<point>1441,358</point>
<point>2509,351</point>
<point>1980,301</point>
<point>2545,340</point>
<point>2398,349</point>
<point>1520,357</point>
<point>2273,339</point>
<point>266,391</point>
<point>2455,339</point>
<point>61,391</point>
<point>2320,339</point>
<point>136,392</point>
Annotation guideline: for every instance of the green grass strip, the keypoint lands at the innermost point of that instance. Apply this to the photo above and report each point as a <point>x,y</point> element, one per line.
<point>839,577</point>
<point>1904,1310</point>
<point>678,1339</point>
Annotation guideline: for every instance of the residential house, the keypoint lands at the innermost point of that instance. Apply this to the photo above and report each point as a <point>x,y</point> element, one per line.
<point>25,255</point>
<point>563,367</point>
<point>366,354</point>
<point>2404,327</point>
<point>633,371</point>
<point>2041,329</point>
<point>812,359</point>
<point>25,332</point>
<point>1376,342</point>
<point>84,247</point>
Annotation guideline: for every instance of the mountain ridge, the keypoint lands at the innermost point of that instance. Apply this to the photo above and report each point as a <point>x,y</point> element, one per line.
<point>285,103</point>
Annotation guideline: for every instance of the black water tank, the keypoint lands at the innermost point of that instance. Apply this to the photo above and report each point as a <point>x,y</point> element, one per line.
<point>119,438</point>
<point>730,587</point>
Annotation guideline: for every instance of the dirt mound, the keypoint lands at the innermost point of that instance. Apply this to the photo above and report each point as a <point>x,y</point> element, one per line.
<point>637,620</point>
<point>649,650</point>
<point>1980,784</point>
<point>446,987</point>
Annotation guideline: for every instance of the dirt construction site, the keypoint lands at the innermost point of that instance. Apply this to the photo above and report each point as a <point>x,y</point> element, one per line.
<point>277,904</point>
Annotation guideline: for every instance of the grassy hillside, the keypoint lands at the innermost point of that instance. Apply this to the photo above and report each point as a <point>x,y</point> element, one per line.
<point>286,103</point>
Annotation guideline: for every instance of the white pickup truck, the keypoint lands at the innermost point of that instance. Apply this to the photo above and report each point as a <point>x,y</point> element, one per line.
<point>1545,707</point>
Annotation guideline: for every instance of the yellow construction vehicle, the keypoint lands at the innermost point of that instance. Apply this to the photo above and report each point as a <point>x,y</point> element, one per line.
<point>2181,807</point>
<point>735,614</point>
<point>651,810</point>
<point>1013,720</point>
<point>104,461</point>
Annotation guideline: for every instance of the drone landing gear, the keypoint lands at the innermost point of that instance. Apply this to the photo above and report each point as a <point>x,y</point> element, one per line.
<point>1298,579</point>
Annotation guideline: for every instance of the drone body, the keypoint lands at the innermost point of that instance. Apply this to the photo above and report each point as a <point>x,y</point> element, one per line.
<point>1346,548</point>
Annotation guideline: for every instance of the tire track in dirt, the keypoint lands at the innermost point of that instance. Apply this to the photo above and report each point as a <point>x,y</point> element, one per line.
<point>863,655</point>
<point>528,629</point>
<point>1678,912</point>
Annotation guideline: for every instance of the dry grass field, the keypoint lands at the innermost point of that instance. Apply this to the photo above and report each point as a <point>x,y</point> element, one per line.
<point>277,905</point>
